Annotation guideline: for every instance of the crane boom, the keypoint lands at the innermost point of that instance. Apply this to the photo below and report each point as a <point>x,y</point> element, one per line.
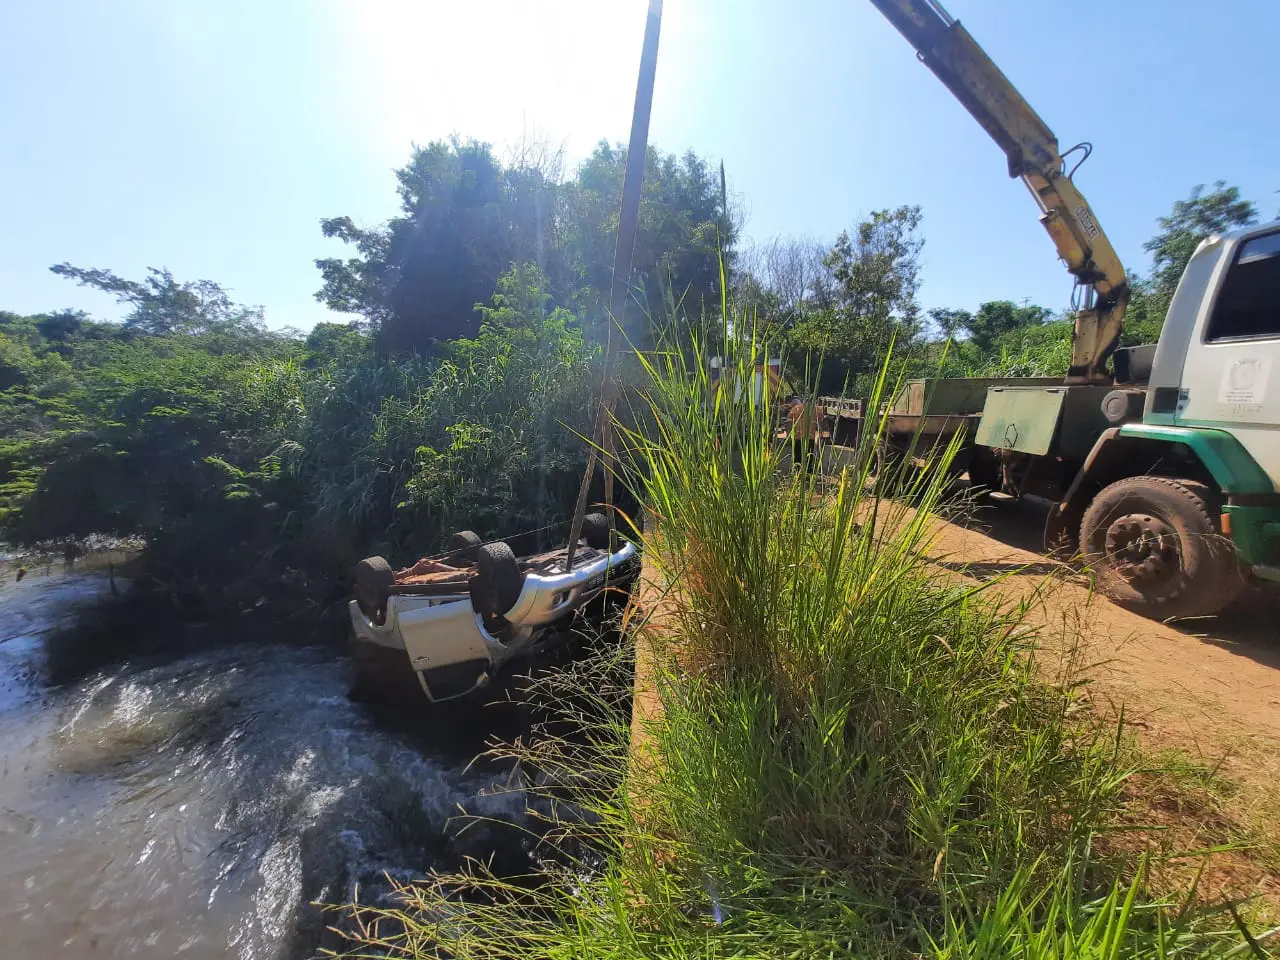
<point>946,48</point>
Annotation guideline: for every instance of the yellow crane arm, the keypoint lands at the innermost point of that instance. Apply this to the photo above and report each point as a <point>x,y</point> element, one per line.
<point>946,48</point>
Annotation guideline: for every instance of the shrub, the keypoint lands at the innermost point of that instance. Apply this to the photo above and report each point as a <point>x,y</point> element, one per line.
<point>485,435</point>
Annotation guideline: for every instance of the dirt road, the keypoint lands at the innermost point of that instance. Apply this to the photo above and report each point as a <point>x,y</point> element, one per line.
<point>1207,691</point>
<point>1208,685</point>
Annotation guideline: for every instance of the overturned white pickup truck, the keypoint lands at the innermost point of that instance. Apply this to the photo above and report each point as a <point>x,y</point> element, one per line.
<point>453,624</point>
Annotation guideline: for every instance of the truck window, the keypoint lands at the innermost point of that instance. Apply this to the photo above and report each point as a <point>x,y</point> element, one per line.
<point>1249,304</point>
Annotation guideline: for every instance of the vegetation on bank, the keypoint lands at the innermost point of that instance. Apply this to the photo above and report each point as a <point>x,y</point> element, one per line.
<point>256,461</point>
<point>238,452</point>
<point>850,753</point>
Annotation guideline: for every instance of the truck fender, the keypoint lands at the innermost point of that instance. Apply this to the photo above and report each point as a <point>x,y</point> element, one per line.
<point>1223,456</point>
<point>1063,526</point>
<point>1207,455</point>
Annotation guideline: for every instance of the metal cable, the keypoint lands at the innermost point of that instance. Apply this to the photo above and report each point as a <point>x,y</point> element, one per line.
<point>483,543</point>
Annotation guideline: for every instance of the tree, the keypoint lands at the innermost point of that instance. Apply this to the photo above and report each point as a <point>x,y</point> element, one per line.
<point>684,230</point>
<point>1193,219</point>
<point>333,341</point>
<point>950,322</point>
<point>518,315</point>
<point>162,305</point>
<point>61,325</point>
<point>998,317</point>
<point>782,278</point>
<point>464,220</point>
<point>874,276</point>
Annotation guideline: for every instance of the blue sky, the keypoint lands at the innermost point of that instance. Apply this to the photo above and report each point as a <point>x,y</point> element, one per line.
<point>210,136</point>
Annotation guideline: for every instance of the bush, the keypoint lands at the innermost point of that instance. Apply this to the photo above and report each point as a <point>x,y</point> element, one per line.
<point>120,443</point>
<point>487,435</point>
<point>1033,351</point>
<point>239,455</point>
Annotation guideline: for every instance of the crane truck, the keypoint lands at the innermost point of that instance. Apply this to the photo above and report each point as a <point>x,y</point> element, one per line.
<point>1162,462</point>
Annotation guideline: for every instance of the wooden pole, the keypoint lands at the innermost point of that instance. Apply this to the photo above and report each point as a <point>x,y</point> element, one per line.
<point>628,221</point>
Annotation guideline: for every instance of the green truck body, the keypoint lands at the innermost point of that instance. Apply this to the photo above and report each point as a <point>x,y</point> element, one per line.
<point>1068,450</point>
<point>1168,479</point>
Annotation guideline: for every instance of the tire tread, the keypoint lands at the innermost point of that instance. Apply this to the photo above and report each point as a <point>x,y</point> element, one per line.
<point>1206,593</point>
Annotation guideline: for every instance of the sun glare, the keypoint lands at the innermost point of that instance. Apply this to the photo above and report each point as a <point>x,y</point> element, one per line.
<point>497,70</point>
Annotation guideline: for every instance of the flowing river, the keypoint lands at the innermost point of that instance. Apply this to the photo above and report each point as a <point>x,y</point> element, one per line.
<point>196,802</point>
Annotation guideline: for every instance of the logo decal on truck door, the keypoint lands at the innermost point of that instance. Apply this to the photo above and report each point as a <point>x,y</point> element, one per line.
<point>1244,381</point>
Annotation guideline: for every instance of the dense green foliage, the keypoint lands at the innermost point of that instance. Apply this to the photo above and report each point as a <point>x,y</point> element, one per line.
<point>838,309</point>
<point>228,449</point>
<point>459,395</point>
<point>485,435</point>
<point>459,399</point>
<point>867,304</point>
<point>98,419</point>
<point>466,218</point>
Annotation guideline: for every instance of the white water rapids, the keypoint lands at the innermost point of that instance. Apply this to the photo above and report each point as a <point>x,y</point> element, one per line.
<point>194,805</point>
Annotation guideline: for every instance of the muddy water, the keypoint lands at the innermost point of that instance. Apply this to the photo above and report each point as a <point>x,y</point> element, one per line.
<point>194,804</point>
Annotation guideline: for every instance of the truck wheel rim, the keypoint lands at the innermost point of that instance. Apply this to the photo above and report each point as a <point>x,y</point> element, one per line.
<point>1143,548</point>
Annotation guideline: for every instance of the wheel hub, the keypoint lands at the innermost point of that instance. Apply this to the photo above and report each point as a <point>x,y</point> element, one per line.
<point>1142,547</point>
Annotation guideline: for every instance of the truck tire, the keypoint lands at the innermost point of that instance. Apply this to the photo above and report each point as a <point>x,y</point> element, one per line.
<point>464,548</point>
<point>374,579</point>
<point>1157,550</point>
<point>595,530</point>
<point>496,586</point>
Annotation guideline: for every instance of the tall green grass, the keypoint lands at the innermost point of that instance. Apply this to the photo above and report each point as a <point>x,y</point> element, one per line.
<point>852,754</point>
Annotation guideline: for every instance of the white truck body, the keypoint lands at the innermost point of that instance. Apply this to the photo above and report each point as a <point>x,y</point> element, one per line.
<point>1220,347</point>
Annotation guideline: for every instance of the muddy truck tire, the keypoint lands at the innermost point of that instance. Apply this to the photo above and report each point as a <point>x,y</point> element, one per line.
<point>1155,546</point>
